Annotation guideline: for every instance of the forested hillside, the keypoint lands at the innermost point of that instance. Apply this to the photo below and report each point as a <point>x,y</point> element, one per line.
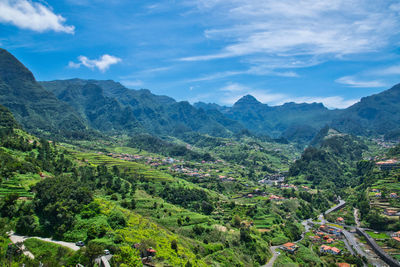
<point>35,108</point>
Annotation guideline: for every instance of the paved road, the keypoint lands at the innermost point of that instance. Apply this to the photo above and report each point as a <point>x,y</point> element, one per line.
<point>341,202</point>
<point>275,255</point>
<point>19,238</point>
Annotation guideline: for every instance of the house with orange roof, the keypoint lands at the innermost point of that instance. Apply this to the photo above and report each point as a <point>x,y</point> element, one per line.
<point>343,264</point>
<point>340,220</point>
<point>316,238</point>
<point>396,234</point>
<point>396,238</point>
<point>393,195</point>
<point>330,250</point>
<point>390,212</point>
<point>329,241</point>
<point>289,247</point>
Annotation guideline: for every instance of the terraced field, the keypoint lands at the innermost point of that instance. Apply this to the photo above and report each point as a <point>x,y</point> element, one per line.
<point>141,170</point>
<point>19,184</point>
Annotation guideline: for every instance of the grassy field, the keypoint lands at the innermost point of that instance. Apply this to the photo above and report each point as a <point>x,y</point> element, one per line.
<point>47,251</point>
<point>378,235</point>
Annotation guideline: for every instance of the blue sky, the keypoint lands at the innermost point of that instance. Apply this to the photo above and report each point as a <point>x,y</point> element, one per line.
<point>334,52</point>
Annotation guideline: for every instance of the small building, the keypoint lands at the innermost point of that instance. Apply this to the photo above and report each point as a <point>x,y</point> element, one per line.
<point>315,238</point>
<point>396,238</point>
<point>330,250</point>
<point>375,190</point>
<point>340,220</point>
<point>329,241</point>
<point>393,195</point>
<point>396,234</point>
<point>289,247</point>
<point>389,212</point>
<point>388,164</point>
<point>343,264</point>
<point>378,194</point>
<point>151,252</point>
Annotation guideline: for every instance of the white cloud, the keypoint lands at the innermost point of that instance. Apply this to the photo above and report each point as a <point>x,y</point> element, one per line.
<point>103,63</point>
<point>259,70</point>
<point>31,15</point>
<point>132,83</point>
<point>329,102</point>
<point>392,70</point>
<point>352,82</point>
<point>298,28</point>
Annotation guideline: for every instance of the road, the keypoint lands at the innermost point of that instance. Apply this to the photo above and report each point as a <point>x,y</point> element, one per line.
<point>275,255</point>
<point>19,238</point>
<point>356,218</point>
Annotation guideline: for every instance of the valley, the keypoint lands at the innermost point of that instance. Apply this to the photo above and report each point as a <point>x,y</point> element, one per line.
<point>144,180</point>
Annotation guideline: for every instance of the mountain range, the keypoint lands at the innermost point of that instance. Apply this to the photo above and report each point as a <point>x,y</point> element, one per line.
<point>78,108</point>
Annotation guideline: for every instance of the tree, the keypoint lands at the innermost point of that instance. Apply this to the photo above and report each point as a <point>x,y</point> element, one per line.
<point>174,245</point>
<point>8,205</point>
<point>116,219</point>
<point>93,250</point>
<point>26,225</point>
<point>128,256</point>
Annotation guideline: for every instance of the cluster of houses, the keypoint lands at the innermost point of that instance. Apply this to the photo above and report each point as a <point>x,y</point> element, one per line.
<point>330,250</point>
<point>330,230</point>
<point>272,179</point>
<point>152,161</point>
<point>276,198</point>
<point>391,212</point>
<point>378,193</point>
<point>325,237</point>
<point>389,164</point>
<point>396,236</point>
<point>384,143</point>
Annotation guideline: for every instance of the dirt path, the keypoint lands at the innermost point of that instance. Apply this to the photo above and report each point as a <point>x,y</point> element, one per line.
<point>356,218</point>
<point>18,238</point>
<point>21,239</point>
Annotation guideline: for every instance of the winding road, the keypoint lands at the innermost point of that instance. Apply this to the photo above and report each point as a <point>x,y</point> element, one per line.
<point>20,239</point>
<point>307,227</point>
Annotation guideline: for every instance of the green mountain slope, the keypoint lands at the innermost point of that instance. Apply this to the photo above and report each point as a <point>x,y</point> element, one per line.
<point>35,108</point>
<point>159,115</point>
<point>376,114</point>
<point>100,112</point>
<point>373,115</point>
<point>296,122</point>
<point>330,163</point>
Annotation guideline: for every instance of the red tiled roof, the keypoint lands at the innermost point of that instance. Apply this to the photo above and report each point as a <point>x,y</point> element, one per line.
<point>288,245</point>
<point>343,264</point>
<point>396,238</point>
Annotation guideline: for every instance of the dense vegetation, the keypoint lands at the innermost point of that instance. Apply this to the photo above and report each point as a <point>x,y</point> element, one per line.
<point>165,183</point>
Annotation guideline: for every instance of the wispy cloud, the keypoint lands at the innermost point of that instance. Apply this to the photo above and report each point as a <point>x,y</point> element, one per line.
<point>298,28</point>
<point>102,64</point>
<point>232,92</point>
<point>34,16</point>
<point>392,70</point>
<point>132,83</point>
<point>353,82</point>
<point>255,70</point>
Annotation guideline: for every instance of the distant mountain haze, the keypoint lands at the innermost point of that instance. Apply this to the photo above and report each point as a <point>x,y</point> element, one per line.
<point>76,107</point>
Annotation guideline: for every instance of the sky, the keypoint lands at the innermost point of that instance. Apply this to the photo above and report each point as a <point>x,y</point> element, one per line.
<point>216,51</point>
